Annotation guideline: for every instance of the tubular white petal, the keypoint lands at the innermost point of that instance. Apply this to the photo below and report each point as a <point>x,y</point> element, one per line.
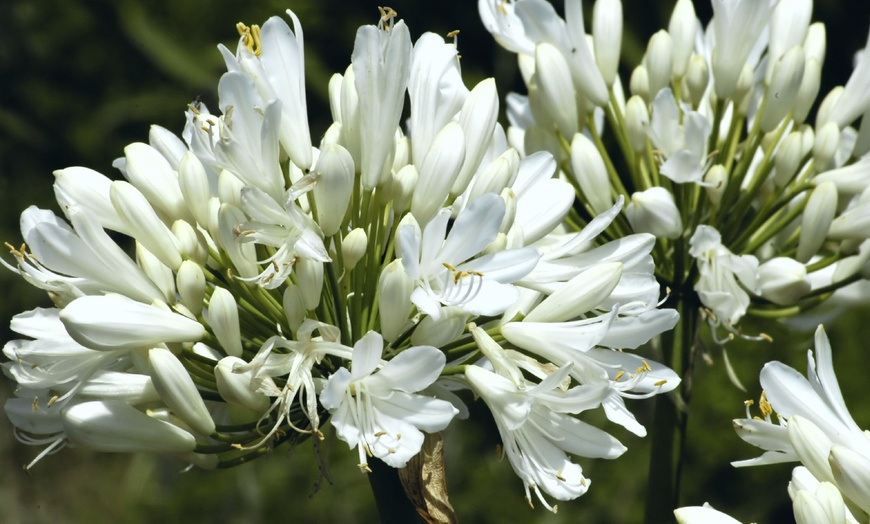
<point>114,322</point>
<point>115,426</point>
<point>178,391</point>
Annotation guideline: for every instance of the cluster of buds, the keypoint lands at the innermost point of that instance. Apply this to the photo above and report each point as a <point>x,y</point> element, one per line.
<point>755,209</point>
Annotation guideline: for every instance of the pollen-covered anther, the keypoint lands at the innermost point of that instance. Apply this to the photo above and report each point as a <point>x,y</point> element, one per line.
<point>380,434</point>
<point>764,405</point>
<point>35,404</point>
<point>250,37</point>
<point>560,477</point>
<point>51,401</point>
<point>18,253</point>
<point>619,375</point>
<point>660,383</point>
<point>765,337</point>
<point>364,468</point>
<point>388,14</point>
<point>646,365</point>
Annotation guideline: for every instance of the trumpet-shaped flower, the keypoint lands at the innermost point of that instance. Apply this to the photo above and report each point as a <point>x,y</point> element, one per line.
<point>376,408</point>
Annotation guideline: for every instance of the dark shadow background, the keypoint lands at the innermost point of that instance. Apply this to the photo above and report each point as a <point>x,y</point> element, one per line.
<point>81,79</point>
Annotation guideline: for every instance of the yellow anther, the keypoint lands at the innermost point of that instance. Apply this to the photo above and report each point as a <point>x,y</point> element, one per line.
<point>35,405</point>
<point>764,405</point>
<point>365,468</point>
<point>387,16</point>
<point>646,365</point>
<point>51,401</point>
<point>380,434</point>
<point>391,450</point>
<point>502,9</point>
<point>453,33</point>
<point>445,264</point>
<point>748,403</point>
<point>618,375</point>
<point>765,337</point>
<point>19,253</point>
<point>560,477</point>
<point>250,37</point>
<point>661,383</point>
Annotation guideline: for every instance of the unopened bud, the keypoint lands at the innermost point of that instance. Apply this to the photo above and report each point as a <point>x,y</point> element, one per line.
<point>697,78</point>
<point>238,387</point>
<point>190,282</point>
<point>590,173</point>
<point>639,84</point>
<point>682,28</point>
<point>557,94</point>
<point>783,281</point>
<point>333,190</point>
<point>395,287</point>
<point>178,391</point>
<point>788,158</point>
<point>223,316</point>
<point>607,35</point>
<point>353,247</point>
<point>654,211</point>
<point>716,179</point>
<point>825,146</point>
<point>636,122</point>
<point>659,61</point>
<point>816,220</point>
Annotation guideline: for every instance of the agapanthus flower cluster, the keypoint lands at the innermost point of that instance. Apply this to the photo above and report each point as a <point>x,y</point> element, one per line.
<point>805,419</point>
<point>279,288</point>
<point>755,207</point>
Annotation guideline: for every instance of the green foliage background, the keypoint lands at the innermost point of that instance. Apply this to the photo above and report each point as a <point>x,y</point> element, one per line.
<point>81,79</point>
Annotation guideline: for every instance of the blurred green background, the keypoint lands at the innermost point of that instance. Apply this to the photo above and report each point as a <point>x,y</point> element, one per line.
<point>80,80</point>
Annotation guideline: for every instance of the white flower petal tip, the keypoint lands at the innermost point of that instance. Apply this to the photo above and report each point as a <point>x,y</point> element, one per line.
<point>702,515</point>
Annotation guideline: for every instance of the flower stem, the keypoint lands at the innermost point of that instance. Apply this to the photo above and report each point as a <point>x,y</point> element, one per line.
<point>393,505</point>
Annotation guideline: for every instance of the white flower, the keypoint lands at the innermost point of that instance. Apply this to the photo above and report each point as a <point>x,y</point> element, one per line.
<point>445,268</point>
<point>538,435</point>
<point>274,59</point>
<point>377,410</point>
<point>720,271</point>
<point>816,427</point>
<point>684,145</point>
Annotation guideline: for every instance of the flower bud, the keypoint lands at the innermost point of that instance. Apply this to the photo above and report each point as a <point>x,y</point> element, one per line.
<point>510,209</point>
<point>143,223</point>
<point>716,179</point>
<point>353,247</point>
<point>659,61</point>
<point>582,293</point>
<point>149,171</point>
<point>310,279</point>
<point>851,472</point>
<point>438,171</point>
<point>816,220</point>
<point>238,387</point>
<point>89,189</point>
<point>589,171</point>
<point>167,144</point>
<point>223,317</point>
<point>109,322</point>
<point>812,447</point>
<point>294,306</point>
<point>447,328</point>
<point>557,95</point>
<point>743,90</point>
<point>825,146</point>
<point>697,78</point>
<point>828,103</point>
<point>783,281</point>
<point>607,35</point>
<point>158,272</point>
<point>807,510</point>
<point>478,119</point>
<point>808,91</point>
<point>190,282</point>
<point>194,185</point>
<point>243,255</point>
<point>815,42</point>
<point>190,242</point>
<point>402,188</point>
<point>786,80</point>
<point>178,391</point>
<point>115,426</point>
<point>638,84</point>
<point>788,28</point>
<point>498,175</point>
<point>654,211</point>
<point>788,158</point>
<point>636,122</point>
<point>230,188</point>
<point>402,156</point>
<point>334,187</point>
<point>682,28</point>
<point>395,288</point>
